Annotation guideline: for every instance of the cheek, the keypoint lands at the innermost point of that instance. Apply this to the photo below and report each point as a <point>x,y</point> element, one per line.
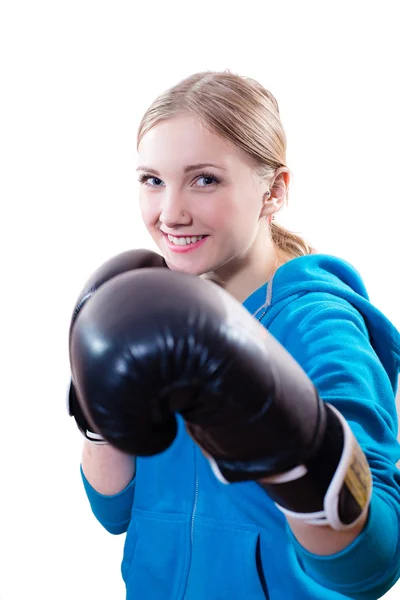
<point>232,217</point>
<point>215,211</point>
<point>149,212</point>
<point>238,226</point>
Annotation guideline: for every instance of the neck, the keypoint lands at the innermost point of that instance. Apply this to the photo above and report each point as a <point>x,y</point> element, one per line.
<point>246,274</point>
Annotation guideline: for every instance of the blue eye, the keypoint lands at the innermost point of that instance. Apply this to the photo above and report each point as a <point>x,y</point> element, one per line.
<point>145,179</point>
<point>152,181</point>
<point>209,179</point>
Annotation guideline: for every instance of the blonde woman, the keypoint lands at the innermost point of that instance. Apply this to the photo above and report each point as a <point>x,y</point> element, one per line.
<point>243,435</point>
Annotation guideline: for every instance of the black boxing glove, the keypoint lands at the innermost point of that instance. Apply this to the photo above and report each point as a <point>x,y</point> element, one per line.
<point>153,343</point>
<point>121,263</point>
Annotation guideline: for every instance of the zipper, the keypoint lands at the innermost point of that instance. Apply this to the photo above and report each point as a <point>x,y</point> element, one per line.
<point>194,509</point>
<point>262,315</point>
<point>196,496</point>
<point>264,307</point>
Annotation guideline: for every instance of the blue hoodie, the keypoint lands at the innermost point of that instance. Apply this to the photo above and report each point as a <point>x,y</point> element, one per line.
<point>190,537</point>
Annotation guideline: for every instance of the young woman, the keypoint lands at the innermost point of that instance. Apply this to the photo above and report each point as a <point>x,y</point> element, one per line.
<point>213,175</point>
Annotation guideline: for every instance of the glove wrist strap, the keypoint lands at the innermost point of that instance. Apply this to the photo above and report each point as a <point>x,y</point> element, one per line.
<point>93,438</point>
<point>332,487</point>
<point>343,500</point>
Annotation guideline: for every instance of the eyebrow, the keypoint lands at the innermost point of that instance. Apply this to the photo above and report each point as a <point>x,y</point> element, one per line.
<point>187,169</point>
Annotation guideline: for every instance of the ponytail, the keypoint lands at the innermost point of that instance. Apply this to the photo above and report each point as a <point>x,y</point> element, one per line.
<point>289,244</point>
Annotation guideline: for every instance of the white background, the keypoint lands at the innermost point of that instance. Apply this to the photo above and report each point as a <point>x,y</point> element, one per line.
<point>76,77</point>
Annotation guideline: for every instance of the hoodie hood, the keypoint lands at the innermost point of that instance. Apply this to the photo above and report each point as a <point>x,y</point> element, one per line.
<point>330,275</point>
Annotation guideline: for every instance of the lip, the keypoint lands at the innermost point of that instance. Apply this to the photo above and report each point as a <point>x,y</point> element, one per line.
<point>182,249</point>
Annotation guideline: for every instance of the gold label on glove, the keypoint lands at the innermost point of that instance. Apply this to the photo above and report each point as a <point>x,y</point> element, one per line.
<point>358,477</point>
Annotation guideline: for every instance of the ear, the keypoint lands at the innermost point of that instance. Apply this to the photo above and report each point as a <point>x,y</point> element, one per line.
<point>275,196</point>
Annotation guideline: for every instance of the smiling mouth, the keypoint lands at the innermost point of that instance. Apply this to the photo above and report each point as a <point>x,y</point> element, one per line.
<point>184,240</point>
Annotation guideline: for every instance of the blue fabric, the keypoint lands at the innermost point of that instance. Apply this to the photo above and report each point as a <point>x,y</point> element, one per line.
<point>191,537</point>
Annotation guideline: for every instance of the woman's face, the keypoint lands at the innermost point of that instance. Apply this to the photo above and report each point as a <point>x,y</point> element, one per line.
<point>200,198</point>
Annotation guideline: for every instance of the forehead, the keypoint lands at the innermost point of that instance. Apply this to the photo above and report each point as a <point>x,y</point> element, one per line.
<point>185,140</point>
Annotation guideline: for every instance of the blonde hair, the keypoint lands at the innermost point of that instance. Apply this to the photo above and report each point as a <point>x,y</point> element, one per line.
<point>243,112</point>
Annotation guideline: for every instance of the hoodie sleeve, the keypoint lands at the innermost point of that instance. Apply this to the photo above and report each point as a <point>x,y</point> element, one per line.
<point>113,512</point>
<point>329,339</point>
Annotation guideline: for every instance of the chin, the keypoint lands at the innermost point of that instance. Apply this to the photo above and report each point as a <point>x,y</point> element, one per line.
<point>190,269</point>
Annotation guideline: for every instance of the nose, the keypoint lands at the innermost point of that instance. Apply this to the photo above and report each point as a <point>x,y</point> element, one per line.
<point>173,211</point>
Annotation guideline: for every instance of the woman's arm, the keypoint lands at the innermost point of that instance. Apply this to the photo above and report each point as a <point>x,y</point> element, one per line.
<point>108,477</point>
<point>108,470</point>
<point>324,540</point>
<point>330,340</point>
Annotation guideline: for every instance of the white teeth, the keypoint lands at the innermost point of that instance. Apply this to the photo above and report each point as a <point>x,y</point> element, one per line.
<point>184,241</point>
